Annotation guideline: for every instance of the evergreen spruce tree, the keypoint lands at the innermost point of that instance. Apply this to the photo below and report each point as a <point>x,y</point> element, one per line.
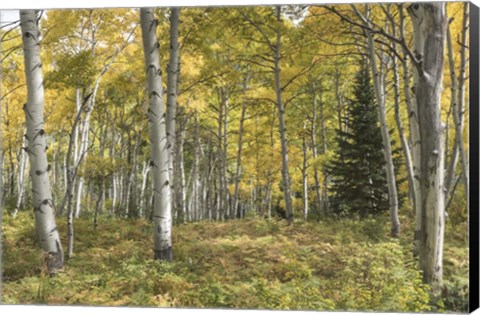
<point>359,185</point>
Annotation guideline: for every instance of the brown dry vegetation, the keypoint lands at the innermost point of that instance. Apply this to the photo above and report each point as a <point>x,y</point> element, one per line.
<point>252,263</point>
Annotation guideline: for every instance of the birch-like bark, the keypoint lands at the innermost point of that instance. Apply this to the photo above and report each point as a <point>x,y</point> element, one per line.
<point>84,139</point>
<point>324,198</point>
<point>378,79</point>
<point>145,171</point>
<point>305,174</point>
<point>220,191</point>
<point>413,124</point>
<point>197,193</point>
<point>313,138</point>
<point>90,100</point>
<point>182,204</point>
<point>162,216</point>
<point>22,167</point>
<point>458,101</point>
<point>71,171</point>
<point>47,231</point>
<point>281,121</point>
<point>238,169</point>
<point>430,25</point>
<point>172,73</point>
<point>226,195</point>
<point>401,131</point>
<point>459,109</point>
<point>339,98</point>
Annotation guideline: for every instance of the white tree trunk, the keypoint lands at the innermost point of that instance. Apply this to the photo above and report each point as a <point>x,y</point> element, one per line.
<point>281,123</point>
<point>48,235</point>
<point>226,195</point>
<point>238,170</point>
<point>145,171</point>
<point>414,127</point>
<point>181,173</point>
<point>172,73</point>
<point>22,167</point>
<point>378,79</point>
<point>313,138</point>
<point>430,23</point>
<point>71,172</point>
<point>305,174</point>
<point>401,131</point>
<point>162,217</point>
<point>458,101</point>
<point>339,98</point>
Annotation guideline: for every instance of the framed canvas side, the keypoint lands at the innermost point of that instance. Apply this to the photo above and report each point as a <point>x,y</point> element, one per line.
<point>474,152</point>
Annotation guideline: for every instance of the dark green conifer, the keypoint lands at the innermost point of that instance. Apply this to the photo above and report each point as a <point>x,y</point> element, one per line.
<point>359,185</point>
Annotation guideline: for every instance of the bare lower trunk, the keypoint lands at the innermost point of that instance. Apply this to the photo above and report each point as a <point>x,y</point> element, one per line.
<point>226,195</point>
<point>378,82</point>
<point>430,22</point>
<point>459,109</point>
<point>313,138</point>
<point>458,101</point>
<point>22,167</point>
<point>145,171</point>
<point>239,154</point>
<point>403,139</point>
<point>79,196</point>
<point>414,130</point>
<point>172,81</point>
<point>162,217</point>
<point>305,178</point>
<point>339,99</point>
<point>71,165</point>
<point>181,174</point>
<point>282,125</point>
<point>323,129</point>
<point>47,231</point>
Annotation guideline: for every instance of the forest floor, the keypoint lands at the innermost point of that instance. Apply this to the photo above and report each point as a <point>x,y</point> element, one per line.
<point>250,263</point>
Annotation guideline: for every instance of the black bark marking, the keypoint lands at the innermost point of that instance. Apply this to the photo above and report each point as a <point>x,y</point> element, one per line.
<point>39,172</point>
<point>27,111</point>
<point>151,67</point>
<point>86,98</point>
<point>29,34</point>
<point>155,46</point>
<point>153,24</point>
<point>155,93</point>
<point>41,132</point>
<point>151,112</point>
<point>38,209</point>
<point>38,65</point>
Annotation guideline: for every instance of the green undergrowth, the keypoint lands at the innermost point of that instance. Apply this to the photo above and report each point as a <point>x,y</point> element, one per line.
<point>252,263</point>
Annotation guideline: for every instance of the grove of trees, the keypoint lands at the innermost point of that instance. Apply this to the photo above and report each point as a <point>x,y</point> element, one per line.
<point>317,113</point>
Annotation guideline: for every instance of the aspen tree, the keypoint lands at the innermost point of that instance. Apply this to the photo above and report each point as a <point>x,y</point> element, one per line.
<point>429,27</point>
<point>41,193</point>
<point>162,214</point>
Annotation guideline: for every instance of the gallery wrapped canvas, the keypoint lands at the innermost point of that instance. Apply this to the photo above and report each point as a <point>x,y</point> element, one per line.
<point>309,157</point>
